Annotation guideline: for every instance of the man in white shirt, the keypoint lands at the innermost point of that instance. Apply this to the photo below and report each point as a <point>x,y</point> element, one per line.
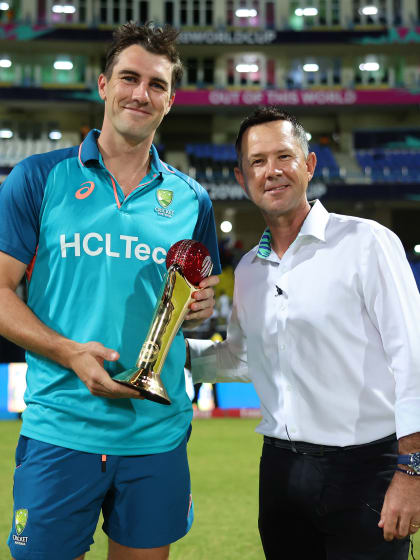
<point>325,323</point>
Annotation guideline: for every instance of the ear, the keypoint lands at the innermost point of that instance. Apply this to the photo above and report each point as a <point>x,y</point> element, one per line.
<point>239,176</point>
<point>171,101</point>
<point>102,81</point>
<point>310,165</point>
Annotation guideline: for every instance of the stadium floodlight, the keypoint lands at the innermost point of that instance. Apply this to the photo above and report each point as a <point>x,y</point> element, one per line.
<point>310,67</point>
<point>6,133</point>
<point>4,6</point>
<point>308,12</point>
<point>247,68</point>
<point>63,65</point>
<point>226,226</point>
<point>369,10</point>
<point>308,136</point>
<point>63,9</point>
<point>369,67</point>
<point>244,12</point>
<point>5,63</point>
<point>55,135</point>
<point>417,248</point>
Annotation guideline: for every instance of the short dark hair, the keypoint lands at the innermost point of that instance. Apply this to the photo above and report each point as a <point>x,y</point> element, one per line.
<point>153,38</point>
<point>269,114</point>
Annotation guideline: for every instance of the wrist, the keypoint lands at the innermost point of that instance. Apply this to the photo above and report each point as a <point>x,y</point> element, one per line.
<point>409,463</point>
<point>64,351</point>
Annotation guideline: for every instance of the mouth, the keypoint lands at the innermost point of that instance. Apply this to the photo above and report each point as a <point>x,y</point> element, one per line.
<point>277,189</point>
<point>137,110</point>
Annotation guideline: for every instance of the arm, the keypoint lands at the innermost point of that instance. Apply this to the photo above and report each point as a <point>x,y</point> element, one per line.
<point>393,303</point>
<point>213,362</point>
<point>21,326</point>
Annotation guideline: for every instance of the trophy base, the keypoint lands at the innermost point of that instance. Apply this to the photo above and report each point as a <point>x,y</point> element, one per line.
<point>150,387</point>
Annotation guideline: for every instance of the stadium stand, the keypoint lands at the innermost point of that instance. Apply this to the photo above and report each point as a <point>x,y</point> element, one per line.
<point>348,68</point>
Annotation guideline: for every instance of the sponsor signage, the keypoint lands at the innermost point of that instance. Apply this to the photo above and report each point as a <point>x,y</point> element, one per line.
<point>340,97</point>
<point>246,37</point>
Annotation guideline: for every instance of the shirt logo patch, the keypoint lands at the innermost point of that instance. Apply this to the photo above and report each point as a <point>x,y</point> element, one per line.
<point>164,197</point>
<point>85,191</point>
<point>21,517</point>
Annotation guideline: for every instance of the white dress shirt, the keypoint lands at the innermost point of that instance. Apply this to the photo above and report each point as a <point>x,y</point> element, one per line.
<point>334,358</point>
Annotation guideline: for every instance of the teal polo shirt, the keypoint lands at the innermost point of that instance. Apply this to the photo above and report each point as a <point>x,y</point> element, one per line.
<point>97,262</point>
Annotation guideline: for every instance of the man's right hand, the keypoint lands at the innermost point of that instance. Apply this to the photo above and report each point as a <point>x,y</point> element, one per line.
<point>87,362</point>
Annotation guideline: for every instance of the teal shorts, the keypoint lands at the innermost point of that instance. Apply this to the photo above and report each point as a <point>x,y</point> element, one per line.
<point>59,493</point>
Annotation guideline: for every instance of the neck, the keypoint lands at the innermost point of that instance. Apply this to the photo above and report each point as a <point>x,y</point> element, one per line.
<point>285,228</point>
<point>128,161</point>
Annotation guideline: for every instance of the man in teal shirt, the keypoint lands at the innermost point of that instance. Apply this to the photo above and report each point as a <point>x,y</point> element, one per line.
<point>91,226</point>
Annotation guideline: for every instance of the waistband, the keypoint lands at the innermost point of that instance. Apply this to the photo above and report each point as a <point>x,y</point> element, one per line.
<point>319,450</point>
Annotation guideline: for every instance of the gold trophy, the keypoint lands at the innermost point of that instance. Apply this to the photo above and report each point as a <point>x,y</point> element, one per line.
<point>188,263</point>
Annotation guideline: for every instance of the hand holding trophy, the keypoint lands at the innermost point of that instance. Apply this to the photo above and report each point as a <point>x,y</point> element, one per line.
<point>187,262</point>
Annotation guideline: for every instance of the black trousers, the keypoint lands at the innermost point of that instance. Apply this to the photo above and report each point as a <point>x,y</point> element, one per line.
<point>327,506</point>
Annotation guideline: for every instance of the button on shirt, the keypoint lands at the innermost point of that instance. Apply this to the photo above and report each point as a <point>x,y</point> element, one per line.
<point>329,334</point>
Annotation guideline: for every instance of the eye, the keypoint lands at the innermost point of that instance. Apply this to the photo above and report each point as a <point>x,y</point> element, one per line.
<point>129,79</point>
<point>158,85</point>
<point>284,156</point>
<point>256,162</point>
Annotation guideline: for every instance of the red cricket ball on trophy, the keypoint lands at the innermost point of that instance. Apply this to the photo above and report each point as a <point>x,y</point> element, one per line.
<point>193,258</point>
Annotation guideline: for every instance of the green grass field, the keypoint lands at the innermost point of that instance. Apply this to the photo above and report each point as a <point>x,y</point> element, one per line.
<point>224,456</point>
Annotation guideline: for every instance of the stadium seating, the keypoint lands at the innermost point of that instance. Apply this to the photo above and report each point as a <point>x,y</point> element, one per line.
<point>327,167</point>
<point>402,166</point>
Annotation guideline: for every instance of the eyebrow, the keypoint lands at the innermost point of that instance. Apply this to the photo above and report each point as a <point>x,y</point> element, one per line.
<point>137,75</point>
<point>261,154</point>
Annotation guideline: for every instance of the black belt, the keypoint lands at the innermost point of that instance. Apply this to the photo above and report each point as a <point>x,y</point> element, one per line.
<point>315,449</point>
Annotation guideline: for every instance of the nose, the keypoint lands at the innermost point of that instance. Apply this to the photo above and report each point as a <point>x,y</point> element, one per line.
<point>273,170</point>
<point>141,93</point>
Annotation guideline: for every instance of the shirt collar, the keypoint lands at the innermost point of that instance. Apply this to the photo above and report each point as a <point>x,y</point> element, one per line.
<point>89,152</point>
<point>314,225</point>
<point>315,222</point>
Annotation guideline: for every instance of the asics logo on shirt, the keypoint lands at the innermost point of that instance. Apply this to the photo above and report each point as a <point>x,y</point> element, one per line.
<point>85,191</point>
<point>122,246</point>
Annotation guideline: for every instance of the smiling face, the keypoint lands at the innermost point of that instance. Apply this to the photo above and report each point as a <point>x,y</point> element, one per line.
<point>274,172</point>
<point>137,95</point>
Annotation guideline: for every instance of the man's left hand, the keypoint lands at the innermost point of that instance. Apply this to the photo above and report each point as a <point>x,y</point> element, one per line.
<point>400,515</point>
<point>202,306</point>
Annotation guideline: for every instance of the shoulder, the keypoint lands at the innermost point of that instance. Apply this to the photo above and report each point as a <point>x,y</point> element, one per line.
<point>356,225</point>
<point>364,233</point>
<point>43,163</point>
<point>27,180</point>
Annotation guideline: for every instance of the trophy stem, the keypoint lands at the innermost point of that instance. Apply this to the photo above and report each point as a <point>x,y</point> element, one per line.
<point>168,316</point>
